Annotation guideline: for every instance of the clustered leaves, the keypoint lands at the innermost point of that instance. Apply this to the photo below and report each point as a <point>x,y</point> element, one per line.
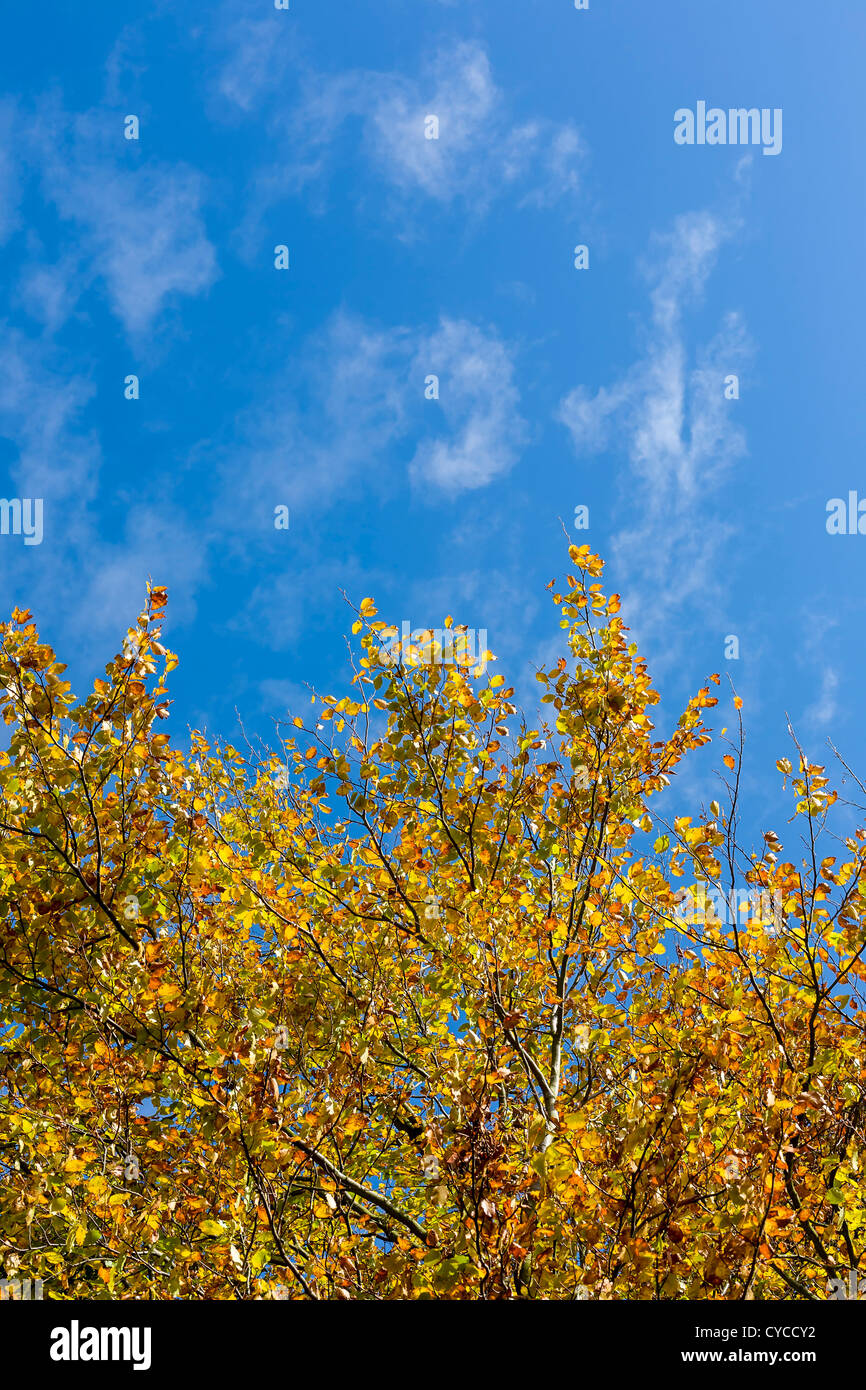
<point>410,1008</point>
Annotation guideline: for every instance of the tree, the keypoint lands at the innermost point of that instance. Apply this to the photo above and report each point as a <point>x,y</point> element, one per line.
<point>417,1007</point>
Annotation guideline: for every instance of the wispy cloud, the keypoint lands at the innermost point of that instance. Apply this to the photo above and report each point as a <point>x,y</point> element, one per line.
<point>359,398</point>
<point>825,708</point>
<point>90,569</point>
<point>256,53</point>
<point>669,420</point>
<point>480,403</point>
<point>349,407</point>
<point>139,231</point>
<point>818,656</point>
<point>482,151</point>
<point>283,607</point>
<point>157,542</point>
<point>42,399</point>
<point>362,392</point>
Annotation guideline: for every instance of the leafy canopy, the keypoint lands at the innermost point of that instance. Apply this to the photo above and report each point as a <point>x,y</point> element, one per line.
<point>411,1008</point>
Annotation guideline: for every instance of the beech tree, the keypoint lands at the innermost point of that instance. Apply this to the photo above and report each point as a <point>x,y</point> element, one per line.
<point>430,1001</point>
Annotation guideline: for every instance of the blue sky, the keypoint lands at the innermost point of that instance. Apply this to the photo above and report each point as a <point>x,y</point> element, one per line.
<point>409,257</point>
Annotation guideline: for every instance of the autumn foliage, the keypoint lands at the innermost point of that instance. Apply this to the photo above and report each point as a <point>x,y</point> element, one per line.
<point>410,1008</point>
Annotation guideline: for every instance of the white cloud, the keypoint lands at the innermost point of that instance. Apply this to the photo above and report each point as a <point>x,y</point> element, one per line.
<point>682,263</point>
<point>145,235</point>
<point>553,155</point>
<point>817,623</point>
<point>825,708</point>
<point>260,54</point>
<point>669,418</point>
<point>482,152</point>
<point>352,377</point>
<point>363,390</point>
<point>160,542</point>
<point>96,573</point>
<point>47,292</point>
<point>459,90</point>
<point>479,400</point>
<point>140,230</point>
<point>40,410</point>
